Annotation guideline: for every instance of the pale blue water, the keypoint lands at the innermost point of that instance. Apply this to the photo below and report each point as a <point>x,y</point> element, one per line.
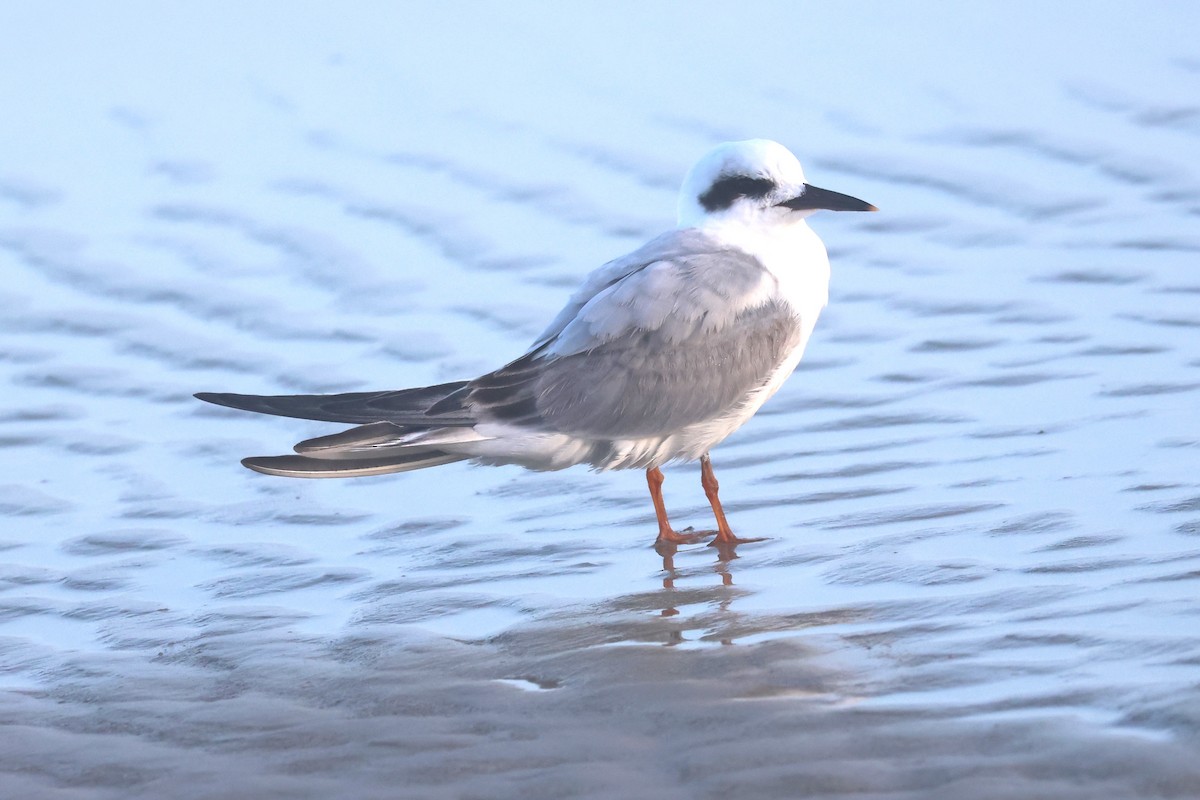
<point>980,487</point>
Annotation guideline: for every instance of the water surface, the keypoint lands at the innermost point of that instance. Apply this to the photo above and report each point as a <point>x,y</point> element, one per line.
<point>979,488</point>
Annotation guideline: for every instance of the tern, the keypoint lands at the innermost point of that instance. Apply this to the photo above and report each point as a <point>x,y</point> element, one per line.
<point>658,357</point>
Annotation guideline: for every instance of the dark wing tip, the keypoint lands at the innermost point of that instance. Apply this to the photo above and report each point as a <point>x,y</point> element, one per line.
<point>218,398</point>
<point>299,466</point>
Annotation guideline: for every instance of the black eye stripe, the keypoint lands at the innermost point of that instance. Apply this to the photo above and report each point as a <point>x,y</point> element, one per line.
<point>727,189</point>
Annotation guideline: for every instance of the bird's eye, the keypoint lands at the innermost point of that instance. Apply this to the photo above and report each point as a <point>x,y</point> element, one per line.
<point>730,187</point>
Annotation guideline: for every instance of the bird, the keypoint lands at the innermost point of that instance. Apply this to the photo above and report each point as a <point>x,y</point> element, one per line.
<point>657,357</point>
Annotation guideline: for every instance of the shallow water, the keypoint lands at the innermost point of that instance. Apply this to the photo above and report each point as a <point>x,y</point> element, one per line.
<point>980,486</point>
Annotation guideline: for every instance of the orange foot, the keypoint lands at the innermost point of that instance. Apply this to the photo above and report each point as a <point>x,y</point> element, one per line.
<point>666,536</point>
<point>726,539</point>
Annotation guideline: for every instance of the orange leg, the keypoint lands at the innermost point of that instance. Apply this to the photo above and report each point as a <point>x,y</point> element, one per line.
<point>666,535</point>
<point>709,481</point>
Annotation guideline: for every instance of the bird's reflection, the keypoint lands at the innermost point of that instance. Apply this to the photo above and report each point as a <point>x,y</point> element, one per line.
<point>726,554</point>
<point>668,550</point>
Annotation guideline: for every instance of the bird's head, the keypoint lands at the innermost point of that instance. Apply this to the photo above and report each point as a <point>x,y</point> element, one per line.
<point>756,182</point>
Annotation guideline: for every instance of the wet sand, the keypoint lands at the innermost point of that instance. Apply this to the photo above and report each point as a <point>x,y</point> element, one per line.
<point>979,488</point>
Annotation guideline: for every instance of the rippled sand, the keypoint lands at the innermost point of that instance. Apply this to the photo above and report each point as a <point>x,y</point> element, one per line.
<point>980,487</point>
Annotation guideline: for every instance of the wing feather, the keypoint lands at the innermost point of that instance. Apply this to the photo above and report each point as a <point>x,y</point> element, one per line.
<point>641,384</point>
<point>403,407</point>
<point>653,288</point>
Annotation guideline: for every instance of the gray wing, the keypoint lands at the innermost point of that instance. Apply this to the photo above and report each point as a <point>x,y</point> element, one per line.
<point>670,342</point>
<point>707,273</point>
<point>641,385</point>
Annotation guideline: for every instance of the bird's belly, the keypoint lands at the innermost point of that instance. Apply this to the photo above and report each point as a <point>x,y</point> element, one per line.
<point>548,452</point>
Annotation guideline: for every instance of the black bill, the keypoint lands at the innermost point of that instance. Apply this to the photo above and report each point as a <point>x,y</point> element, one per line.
<point>815,198</point>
